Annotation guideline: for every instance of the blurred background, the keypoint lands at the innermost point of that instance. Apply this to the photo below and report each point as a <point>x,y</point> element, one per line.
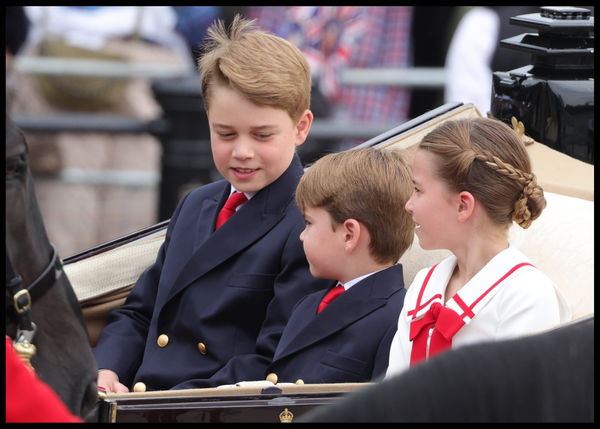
<point>108,96</point>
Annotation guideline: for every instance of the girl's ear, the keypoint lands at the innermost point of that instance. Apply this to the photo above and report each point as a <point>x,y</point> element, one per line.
<point>352,232</point>
<point>466,205</point>
<point>303,127</point>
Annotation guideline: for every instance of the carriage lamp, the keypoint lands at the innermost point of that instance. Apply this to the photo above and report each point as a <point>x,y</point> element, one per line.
<point>554,95</point>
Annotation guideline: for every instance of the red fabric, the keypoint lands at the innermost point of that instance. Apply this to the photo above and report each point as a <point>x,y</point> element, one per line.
<point>228,209</point>
<point>330,296</point>
<point>28,399</point>
<point>445,323</point>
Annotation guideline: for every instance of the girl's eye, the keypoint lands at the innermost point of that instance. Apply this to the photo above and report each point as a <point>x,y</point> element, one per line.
<point>226,135</point>
<point>264,136</point>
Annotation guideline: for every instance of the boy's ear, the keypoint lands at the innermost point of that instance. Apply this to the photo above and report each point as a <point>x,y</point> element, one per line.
<point>466,205</point>
<point>303,127</point>
<point>352,233</point>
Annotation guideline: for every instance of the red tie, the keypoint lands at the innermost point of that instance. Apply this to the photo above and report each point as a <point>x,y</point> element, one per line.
<point>445,323</point>
<point>330,296</point>
<point>235,199</point>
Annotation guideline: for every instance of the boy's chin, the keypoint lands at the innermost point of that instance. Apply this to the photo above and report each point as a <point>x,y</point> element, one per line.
<point>252,186</point>
<point>247,186</point>
<point>319,274</point>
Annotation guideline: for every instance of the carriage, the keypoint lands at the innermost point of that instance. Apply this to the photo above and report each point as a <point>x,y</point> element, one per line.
<point>559,242</point>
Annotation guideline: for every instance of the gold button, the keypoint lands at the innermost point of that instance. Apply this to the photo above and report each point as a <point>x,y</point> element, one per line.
<point>139,387</point>
<point>202,348</point>
<point>299,381</point>
<point>272,377</point>
<point>162,340</point>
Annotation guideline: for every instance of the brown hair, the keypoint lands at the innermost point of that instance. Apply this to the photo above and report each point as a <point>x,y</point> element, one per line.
<point>370,185</point>
<point>488,159</point>
<point>266,69</point>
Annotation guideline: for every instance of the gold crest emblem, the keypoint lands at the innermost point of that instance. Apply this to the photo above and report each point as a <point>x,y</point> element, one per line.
<point>286,416</point>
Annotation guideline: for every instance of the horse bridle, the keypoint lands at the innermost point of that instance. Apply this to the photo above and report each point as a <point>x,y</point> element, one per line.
<point>23,297</point>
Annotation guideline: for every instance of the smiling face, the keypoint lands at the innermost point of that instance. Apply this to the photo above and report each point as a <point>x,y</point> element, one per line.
<point>432,204</point>
<point>252,145</point>
<point>323,245</point>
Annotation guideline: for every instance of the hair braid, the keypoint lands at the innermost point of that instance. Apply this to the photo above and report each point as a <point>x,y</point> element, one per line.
<point>521,214</point>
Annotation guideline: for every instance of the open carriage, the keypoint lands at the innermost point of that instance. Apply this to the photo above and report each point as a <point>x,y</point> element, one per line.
<point>560,243</point>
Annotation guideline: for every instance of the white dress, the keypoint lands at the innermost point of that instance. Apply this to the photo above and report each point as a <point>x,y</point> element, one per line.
<point>508,298</point>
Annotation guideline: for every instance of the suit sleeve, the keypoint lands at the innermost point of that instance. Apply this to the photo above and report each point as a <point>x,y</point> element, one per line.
<point>293,282</point>
<point>382,357</point>
<point>122,341</point>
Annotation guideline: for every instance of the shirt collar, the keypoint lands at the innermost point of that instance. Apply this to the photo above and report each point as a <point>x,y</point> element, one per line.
<point>352,282</point>
<point>247,194</point>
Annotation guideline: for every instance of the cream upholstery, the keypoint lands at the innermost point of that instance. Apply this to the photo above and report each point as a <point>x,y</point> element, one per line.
<point>113,270</point>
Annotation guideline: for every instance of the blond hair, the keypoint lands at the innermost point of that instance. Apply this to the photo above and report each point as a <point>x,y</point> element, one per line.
<point>488,159</point>
<point>266,69</point>
<point>370,185</point>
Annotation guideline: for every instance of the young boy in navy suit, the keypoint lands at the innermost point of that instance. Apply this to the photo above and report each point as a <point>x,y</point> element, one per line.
<point>211,309</point>
<point>356,230</point>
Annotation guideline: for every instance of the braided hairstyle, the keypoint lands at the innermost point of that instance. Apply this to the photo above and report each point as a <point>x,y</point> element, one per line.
<point>487,158</point>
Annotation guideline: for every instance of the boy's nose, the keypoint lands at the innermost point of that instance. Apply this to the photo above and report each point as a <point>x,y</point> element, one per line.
<point>242,149</point>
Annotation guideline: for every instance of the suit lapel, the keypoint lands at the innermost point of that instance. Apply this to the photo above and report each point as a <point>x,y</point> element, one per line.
<point>303,315</point>
<point>205,222</point>
<point>250,223</point>
<point>361,299</point>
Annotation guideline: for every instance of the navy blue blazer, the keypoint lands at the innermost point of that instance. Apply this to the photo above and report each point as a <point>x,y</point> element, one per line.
<point>349,341</point>
<point>219,299</point>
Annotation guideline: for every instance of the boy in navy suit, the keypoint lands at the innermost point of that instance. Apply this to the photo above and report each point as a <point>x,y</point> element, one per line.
<point>356,230</point>
<point>212,307</point>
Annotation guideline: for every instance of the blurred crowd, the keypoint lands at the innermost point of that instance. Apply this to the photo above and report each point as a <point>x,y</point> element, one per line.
<point>78,216</point>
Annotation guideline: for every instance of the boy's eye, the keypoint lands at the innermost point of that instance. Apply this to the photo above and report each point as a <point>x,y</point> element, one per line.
<point>264,135</point>
<point>226,135</point>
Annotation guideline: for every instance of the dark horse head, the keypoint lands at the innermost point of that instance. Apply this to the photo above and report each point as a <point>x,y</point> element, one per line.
<point>63,357</point>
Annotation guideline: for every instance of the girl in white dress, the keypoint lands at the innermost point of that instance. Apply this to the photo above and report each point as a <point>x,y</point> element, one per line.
<point>472,179</point>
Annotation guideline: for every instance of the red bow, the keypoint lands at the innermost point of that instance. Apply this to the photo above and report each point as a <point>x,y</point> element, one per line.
<point>445,323</point>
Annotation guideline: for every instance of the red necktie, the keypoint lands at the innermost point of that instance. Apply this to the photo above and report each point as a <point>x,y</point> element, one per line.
<point>445,323</point>
<point>330,296</point>
<point>235,199</point>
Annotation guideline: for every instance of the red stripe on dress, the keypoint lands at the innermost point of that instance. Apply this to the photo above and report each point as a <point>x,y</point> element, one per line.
<point>467,311</point>
<point>512,270</point>
<point>420,296</point>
